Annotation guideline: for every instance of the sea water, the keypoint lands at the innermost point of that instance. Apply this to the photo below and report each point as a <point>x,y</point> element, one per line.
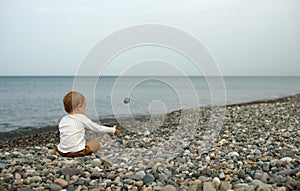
<point>36,102</point>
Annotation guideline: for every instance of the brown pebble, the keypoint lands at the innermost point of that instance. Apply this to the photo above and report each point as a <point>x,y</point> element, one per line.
<point>198,182</point>
<point>227,178</point>
<point>61,182</point>
<point>139,183</point>
<point>224,164</point>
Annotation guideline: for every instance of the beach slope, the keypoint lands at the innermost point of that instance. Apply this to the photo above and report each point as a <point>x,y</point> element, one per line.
<point>257,148</point>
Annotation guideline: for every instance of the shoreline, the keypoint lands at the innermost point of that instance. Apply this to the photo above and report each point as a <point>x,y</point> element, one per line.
<point>256,148</point>
<point>110,121</point>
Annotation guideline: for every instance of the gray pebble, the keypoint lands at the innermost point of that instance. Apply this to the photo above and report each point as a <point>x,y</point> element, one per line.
<point>55,187</point>
<point>24,189</point>
<point>225,186</point>
<point>266,166</point>
<point>2,166</point>
<point>162,177</point>
<point>95,175</point>
<point>140,175</point>
<point>264,177</point>
<point>96,162</point>
<point>148,178</point>
<point>260,185</point>
<point>70,171</point>
<point>242,174</point>
<point>128,181</point>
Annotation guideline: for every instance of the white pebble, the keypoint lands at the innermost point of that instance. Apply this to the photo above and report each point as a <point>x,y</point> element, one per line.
<point>233,154</point>
<point>286,159</point>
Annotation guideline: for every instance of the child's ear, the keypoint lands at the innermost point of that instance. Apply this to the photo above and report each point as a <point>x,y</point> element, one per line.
<point>78,107</point>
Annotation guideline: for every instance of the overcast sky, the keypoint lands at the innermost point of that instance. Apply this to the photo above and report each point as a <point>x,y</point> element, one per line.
<point>245,37</point>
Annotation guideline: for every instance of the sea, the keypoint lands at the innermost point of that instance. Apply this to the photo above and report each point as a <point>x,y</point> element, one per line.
<point>36,101</point>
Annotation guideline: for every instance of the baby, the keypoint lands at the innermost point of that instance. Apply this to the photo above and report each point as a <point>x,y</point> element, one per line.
<point>72,128</point>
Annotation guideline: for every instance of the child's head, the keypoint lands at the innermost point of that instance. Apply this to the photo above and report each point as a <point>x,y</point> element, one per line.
<point>74,102</point>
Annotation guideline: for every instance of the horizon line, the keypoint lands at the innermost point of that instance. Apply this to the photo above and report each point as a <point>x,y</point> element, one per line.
<point>25,75</point>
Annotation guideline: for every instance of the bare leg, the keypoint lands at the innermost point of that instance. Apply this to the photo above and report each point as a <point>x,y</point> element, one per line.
<point>93,144</point>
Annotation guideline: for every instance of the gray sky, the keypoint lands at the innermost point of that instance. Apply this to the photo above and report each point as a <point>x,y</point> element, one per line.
<point>245,37</point>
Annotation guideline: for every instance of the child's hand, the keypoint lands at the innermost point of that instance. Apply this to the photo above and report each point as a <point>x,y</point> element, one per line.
<point>117,131</point>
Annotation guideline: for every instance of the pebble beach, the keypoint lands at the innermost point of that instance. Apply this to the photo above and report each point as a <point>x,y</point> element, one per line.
<point>255,148</point>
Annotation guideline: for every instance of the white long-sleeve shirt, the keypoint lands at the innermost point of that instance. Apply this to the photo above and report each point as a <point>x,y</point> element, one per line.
<point>72,132</point>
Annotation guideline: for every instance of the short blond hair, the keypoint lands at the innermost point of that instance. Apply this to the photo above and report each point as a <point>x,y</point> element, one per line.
<point>72,99</point>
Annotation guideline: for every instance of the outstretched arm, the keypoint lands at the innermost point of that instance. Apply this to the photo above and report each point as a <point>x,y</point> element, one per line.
<point>89,124</point>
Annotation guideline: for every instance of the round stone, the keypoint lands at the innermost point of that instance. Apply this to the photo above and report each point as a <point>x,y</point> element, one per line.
<point>169,188</point>
<point>148,178</point>
<point>96,162</point>
<point>126,100</point>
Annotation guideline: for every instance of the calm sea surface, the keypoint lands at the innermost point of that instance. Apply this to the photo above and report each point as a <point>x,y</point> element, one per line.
<point>37,101</point>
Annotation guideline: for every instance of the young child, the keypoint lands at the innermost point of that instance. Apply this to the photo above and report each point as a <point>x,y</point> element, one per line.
<point>72,128</point>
